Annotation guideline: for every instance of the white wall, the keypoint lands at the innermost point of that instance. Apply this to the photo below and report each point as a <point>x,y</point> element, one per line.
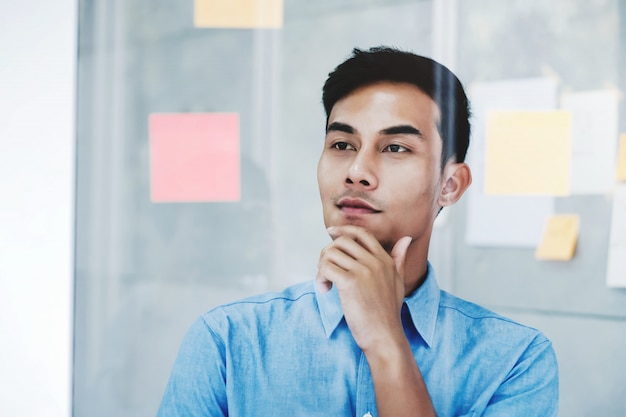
<point>37,90</point>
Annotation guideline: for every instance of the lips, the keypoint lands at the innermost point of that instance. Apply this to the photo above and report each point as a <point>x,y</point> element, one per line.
<point>356,206</point>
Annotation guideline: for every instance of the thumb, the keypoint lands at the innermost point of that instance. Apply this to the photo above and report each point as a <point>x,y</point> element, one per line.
<point>398,253</point>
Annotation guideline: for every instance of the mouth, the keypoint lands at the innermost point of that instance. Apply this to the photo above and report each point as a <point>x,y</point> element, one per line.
<point>353,206</point>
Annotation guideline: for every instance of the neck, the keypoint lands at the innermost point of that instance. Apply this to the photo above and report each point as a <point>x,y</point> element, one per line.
<point>415,267</point>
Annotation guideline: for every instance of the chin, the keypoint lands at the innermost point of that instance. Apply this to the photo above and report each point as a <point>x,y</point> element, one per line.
<point>387,244</point>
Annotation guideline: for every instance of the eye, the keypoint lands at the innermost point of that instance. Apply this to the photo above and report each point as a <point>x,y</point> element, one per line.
<point>343,146</point>
<point>395,148</point>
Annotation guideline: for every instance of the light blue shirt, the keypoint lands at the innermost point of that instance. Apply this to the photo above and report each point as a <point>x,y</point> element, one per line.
<point>292,354</point>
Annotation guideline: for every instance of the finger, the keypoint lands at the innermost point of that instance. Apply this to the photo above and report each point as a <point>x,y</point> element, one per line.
<point>346,254</point>
<point>350,247</point>
<point>359,234</point>
<point>323,284</point>
<point>343,254</point>
<point>332,274</point>
<point>398,253</point>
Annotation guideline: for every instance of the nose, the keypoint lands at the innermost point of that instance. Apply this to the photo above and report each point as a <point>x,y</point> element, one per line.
<point>361,172</point>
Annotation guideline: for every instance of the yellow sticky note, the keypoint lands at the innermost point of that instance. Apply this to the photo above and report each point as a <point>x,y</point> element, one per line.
<point>238,13</point>
<point>528,153</point>
<point>621,162</point>
<point>560,238</point>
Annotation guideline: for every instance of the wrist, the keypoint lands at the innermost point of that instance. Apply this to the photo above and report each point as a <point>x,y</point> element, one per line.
<point>390,352</point>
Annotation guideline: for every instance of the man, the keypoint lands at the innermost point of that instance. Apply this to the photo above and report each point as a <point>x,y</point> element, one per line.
<point>373,335</point>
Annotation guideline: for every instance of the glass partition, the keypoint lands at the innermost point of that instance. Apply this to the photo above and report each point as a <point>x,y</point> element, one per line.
<point>170,225</point>
<point>149,262</point>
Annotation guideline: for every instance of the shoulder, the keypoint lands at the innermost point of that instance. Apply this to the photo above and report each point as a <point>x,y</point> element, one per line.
<point>500,342</point>
<point>514,367</point>
<point>478,319</point>
<point>264,307</point>
<point>289,295</point>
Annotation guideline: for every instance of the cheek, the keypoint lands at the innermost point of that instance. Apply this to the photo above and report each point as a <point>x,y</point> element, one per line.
<point>323,168</point>
<point>420,195</point>
<point>323,187</point>
<point>326,185</point>
<point>322,175</point>
<point>329,176</point>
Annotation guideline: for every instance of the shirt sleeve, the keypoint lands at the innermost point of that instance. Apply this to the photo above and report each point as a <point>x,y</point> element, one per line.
<point>197,384</point>
<point>532,387</point>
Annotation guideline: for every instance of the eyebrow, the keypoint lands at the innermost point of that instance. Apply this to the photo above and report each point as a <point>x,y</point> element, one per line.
<point>393,130</point>
<point>402,130</point>
<point>340,127</point>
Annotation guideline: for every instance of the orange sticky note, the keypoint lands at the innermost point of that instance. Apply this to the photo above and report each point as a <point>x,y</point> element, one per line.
<point>528,153</point>
<point>560,238</point>
<point>194,157</point>
<point>621,162</point>
<point>238,13</point>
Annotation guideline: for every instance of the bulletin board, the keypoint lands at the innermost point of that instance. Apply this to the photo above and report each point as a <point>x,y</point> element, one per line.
<point>535,63</point>
<point>516,59</point>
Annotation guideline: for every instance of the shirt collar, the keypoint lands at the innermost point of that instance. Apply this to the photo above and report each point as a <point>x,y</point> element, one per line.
<point>330,308</point>
<point>423,306</point>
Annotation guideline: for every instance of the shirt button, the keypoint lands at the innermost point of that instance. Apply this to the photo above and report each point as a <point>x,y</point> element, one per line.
<point>368,414</point>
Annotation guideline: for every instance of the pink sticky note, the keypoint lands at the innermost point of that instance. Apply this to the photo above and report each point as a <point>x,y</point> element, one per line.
<point>194,157</point>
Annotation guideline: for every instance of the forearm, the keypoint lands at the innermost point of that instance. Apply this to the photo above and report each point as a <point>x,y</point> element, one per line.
<point>398,383</point>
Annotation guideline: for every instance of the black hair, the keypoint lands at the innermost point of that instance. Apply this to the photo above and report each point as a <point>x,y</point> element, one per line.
<point>383,63</point>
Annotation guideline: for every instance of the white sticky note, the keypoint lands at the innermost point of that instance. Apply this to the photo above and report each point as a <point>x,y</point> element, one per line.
<point>616,263</point>
<point>496,220</point>
<point>594,132</point>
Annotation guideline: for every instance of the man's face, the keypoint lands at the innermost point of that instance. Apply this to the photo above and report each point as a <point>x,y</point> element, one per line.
<point>380,168</point>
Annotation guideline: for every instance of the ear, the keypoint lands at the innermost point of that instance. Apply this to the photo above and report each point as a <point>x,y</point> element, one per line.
<point>456,178</point>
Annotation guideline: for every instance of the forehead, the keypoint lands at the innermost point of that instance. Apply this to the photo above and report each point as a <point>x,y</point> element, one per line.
<point>388,102</point>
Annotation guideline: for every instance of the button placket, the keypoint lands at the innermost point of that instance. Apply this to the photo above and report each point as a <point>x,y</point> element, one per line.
<point>365,395</point>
